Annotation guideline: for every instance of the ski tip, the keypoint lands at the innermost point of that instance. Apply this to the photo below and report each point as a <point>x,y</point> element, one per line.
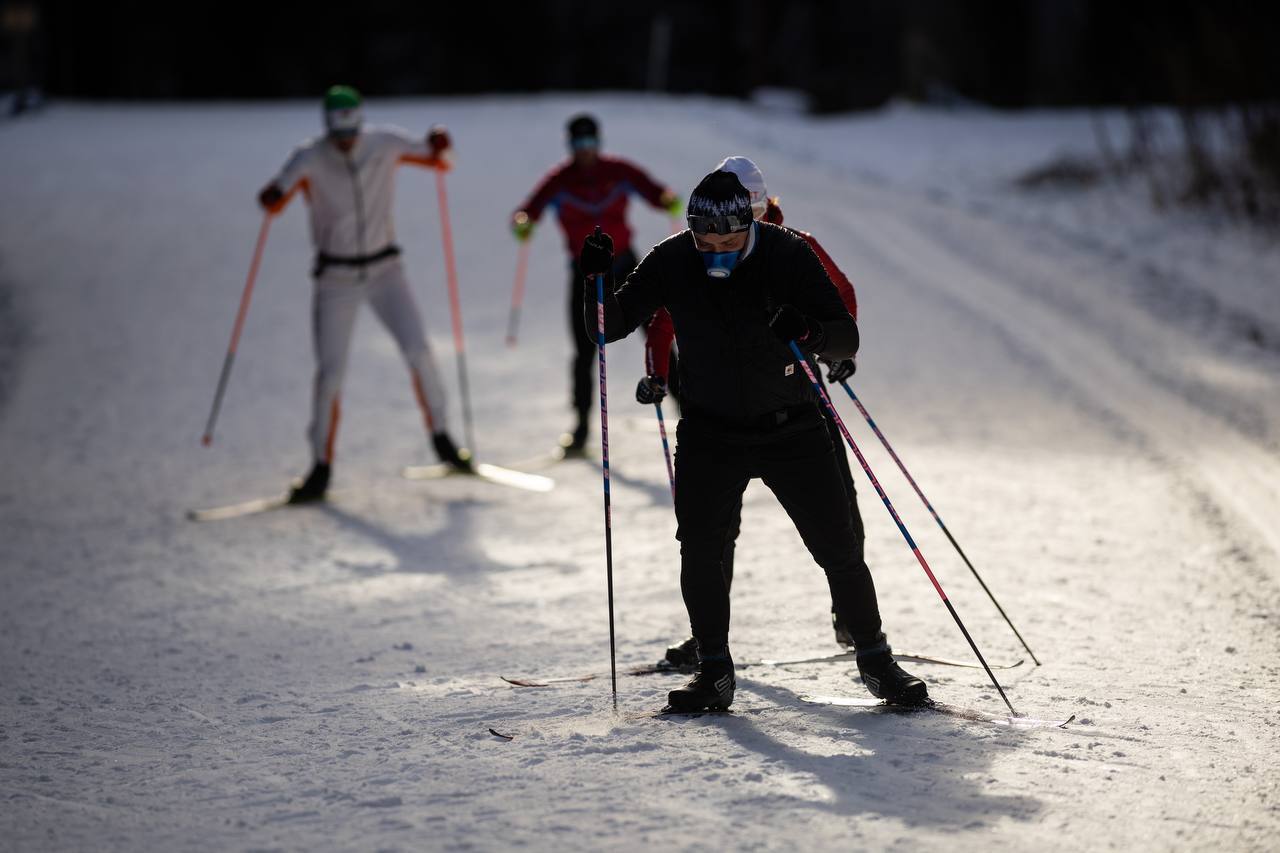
<point>481,471</point>
<point>499,734</point>
<point>522,682</point>
<point>244,508</point>
<point>513,477</point>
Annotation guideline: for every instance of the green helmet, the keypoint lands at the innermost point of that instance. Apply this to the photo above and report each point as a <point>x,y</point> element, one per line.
<point>342,113</point>
<point>341,98</point>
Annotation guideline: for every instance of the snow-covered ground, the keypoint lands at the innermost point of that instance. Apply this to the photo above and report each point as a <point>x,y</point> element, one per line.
<point>1089,394</point>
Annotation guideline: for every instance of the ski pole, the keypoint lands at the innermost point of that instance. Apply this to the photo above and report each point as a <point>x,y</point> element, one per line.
<point>666,449</point>
<point>604,449</point>
<point>936,517</point>
<point>517,292</point>
<point>455,307</point>
<point>207,440</point>
<point>915,549</point>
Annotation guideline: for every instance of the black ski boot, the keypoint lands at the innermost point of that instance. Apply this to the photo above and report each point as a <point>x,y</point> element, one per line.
<point>885,679</point>
<point>843,638</point>
<point>459,458</point>
<point>710,689</point>
<point>313,488</point>
<point>681,656</point>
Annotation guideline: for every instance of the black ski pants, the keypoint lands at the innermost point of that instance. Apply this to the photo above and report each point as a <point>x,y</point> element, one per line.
<point>846,475</point>
<point>712,472</point>
<point>582,366</point>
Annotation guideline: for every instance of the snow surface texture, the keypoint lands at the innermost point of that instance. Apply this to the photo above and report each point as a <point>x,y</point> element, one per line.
<point>1067,376</point>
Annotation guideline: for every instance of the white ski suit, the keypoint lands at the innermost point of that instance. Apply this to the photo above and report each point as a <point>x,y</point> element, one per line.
<point>350,200</point>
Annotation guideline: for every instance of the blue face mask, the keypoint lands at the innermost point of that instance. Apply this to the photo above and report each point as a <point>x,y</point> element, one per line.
<point>720,264</point>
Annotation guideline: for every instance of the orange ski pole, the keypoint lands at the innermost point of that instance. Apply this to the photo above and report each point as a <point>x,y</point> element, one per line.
<point>236,329</point>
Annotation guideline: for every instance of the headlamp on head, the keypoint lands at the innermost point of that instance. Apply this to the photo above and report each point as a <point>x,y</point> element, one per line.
<point>727,224</point>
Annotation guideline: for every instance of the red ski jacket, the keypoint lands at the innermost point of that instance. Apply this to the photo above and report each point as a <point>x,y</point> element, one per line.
<point>660,332</point>
<point>591,196</point>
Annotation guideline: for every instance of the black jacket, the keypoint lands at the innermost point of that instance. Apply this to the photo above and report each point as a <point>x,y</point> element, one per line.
<point>734,371</point>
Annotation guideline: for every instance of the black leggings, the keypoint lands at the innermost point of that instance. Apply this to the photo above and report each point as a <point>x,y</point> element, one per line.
<point>842,462</point>
<point>711,475</point>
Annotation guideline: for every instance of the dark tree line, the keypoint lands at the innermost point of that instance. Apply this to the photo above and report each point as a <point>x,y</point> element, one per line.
<point>854,54</point>
<point>1203,113</point>
<point>1222,72</point>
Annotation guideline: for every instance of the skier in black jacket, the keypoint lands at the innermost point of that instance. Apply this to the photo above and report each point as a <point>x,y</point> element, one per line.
<point>738,291</point>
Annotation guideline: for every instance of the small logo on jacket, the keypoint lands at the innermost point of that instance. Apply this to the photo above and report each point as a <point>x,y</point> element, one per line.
<point>790,369</point>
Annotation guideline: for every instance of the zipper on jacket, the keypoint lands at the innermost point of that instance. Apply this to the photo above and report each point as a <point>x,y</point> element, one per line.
<point>359,197</point>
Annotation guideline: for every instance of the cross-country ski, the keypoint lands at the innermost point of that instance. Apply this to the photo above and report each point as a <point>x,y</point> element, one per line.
<point>253,506</point>
<point>484,471</point>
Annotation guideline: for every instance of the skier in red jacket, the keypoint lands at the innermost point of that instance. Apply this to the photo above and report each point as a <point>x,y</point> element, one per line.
<point>660,334</point>
<point>587,190</point>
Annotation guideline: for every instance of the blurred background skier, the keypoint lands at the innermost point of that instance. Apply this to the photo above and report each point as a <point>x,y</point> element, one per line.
<point>347,177</point>
<point>653,388</point>
<point>589,189</point>
<point>739,292</point>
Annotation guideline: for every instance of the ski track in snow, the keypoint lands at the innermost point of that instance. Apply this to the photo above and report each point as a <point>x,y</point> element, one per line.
<point>319,678</point>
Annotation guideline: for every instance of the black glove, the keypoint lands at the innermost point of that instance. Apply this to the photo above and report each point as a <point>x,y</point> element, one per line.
<point>597,254</point>
<point>651,390</point>
<point>841,370</point>
<point>438,140</point>
<point>270,197</point>
<point>790,324</point>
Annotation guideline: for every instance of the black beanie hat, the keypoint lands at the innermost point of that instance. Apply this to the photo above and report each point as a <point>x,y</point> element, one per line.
<point>583,125</point>
<point>721,194</point>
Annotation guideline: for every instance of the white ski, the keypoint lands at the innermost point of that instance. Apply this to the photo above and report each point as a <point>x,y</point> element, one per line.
<point>483,471</point>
